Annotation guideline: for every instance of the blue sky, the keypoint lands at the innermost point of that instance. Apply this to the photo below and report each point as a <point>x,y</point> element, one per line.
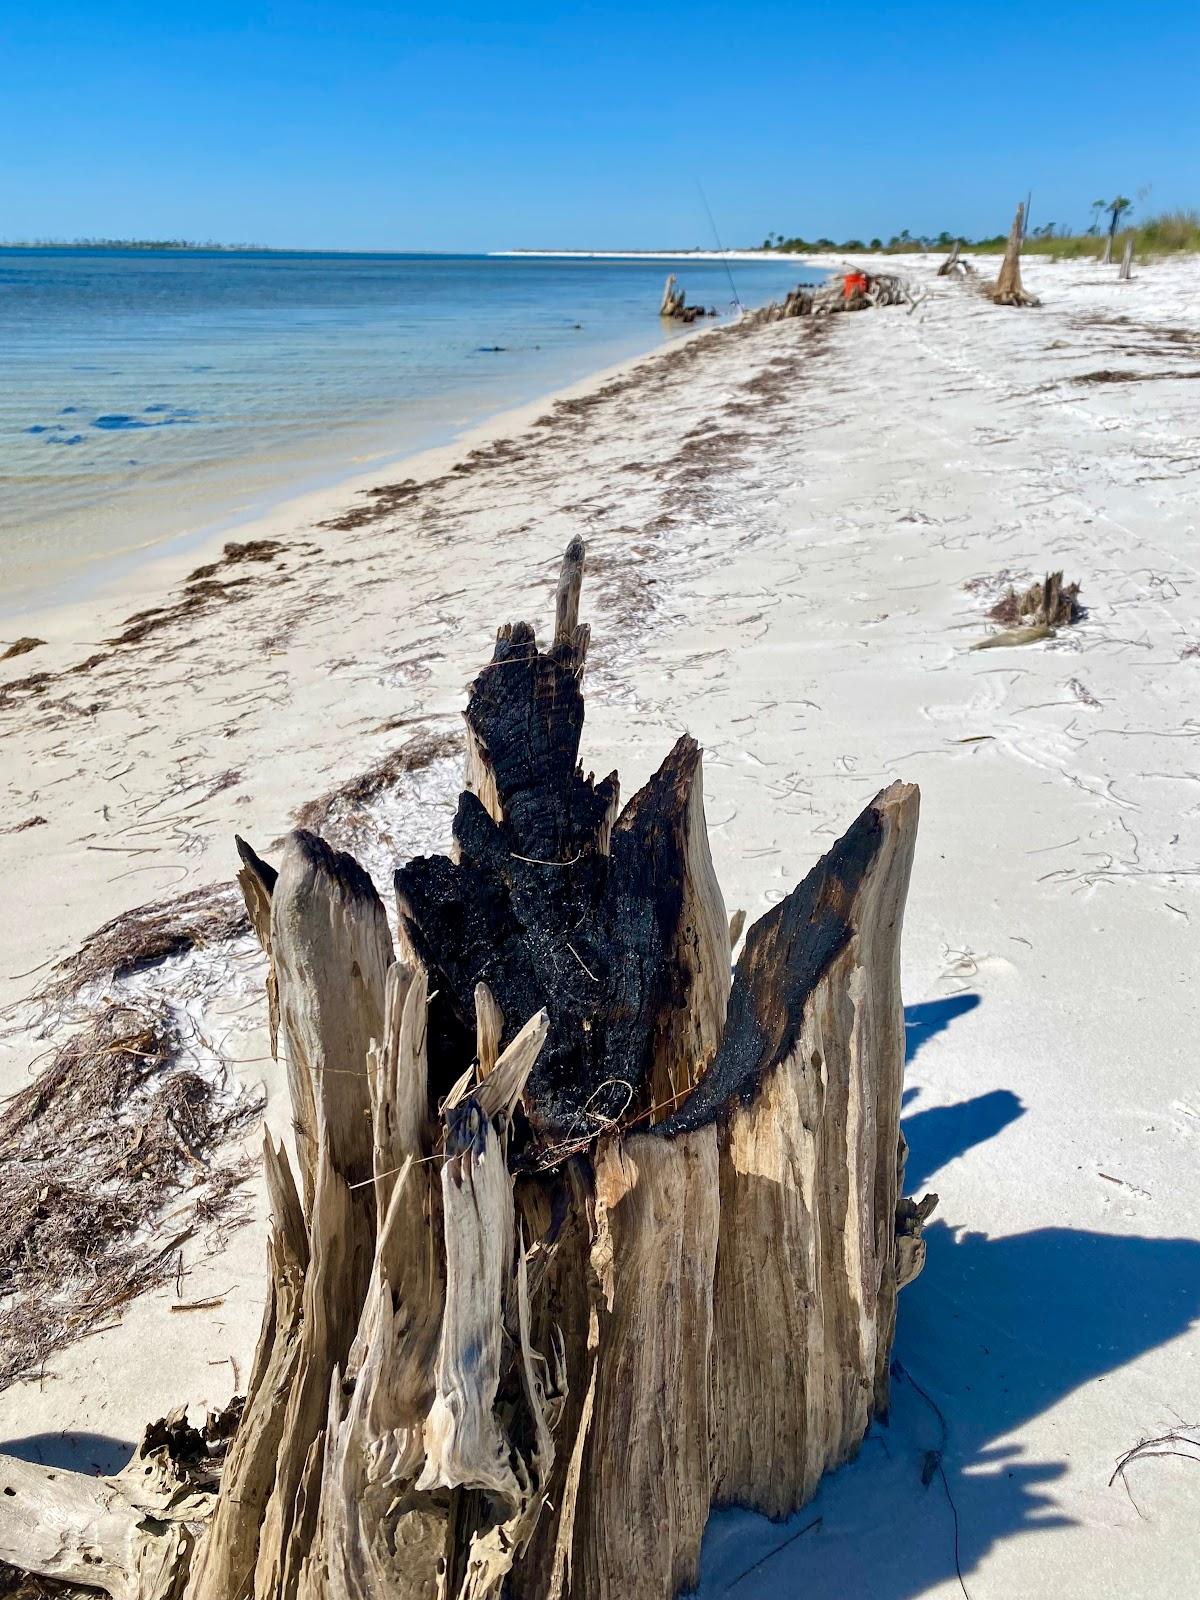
<point>481,126</point>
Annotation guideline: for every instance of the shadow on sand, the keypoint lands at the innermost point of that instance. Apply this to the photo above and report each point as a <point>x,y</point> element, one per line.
<point>927,1017</point>
<point>996,1331</point>
<point>93,1453</point>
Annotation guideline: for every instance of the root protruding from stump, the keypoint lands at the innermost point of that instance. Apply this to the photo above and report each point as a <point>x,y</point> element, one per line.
<point>585,1237</point>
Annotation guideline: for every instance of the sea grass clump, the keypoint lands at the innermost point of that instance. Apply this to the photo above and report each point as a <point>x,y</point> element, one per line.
<point>1051,602</point>
<point>1036,613</point>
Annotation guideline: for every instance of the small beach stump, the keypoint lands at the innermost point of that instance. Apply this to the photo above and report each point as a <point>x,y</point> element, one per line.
<point>584,1234</point>
<point>672,300</point>
<point>675,307</point>
<point>1007,289</point>
<point>952,264</point>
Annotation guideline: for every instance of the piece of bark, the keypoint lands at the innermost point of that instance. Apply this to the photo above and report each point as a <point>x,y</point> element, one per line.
<point>691,1016</point>
<point>229,1550</point>
<point>464,1447</point>
<point>341,1239</point>
<point>257,879</point>
<point>398,1081</point>
<point>646,1463</point>
<point>330,951</point>
<point>489,1023</point>
<point>373,1536</point>
<point>566,600</point>
<point>809,1071</point>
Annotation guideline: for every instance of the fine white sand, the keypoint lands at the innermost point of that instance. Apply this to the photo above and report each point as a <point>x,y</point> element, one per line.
<point>782,525</point>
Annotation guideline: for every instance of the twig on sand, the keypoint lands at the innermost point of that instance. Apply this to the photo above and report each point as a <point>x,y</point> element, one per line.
<point>933,1463</point>
<point>771,1554</point>
<point>1187,1435</point>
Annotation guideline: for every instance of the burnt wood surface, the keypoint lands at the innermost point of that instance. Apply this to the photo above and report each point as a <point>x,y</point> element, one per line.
<point>785,954</point>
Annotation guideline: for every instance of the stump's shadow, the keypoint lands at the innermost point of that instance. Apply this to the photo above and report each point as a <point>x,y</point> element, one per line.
<point>996,1331</point>
<point>929,1017</point>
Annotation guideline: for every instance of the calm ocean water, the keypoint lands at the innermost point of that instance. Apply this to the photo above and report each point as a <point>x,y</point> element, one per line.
<point>147,395</point>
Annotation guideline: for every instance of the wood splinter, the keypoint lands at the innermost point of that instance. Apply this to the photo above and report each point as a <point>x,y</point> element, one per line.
<point>582,1234</point>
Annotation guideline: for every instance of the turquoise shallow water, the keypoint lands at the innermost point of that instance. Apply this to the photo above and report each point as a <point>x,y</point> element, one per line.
<point>149,394</point>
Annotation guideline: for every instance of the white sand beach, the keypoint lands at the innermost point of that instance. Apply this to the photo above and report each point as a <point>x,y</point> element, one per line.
<point>794,533</point>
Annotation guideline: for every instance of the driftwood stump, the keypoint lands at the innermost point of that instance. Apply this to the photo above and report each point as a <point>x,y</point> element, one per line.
<point>1007,289</point>
<point>674,304</point>
<point>672,300</point>
<point>952,263</point>
<point>583,1234</point>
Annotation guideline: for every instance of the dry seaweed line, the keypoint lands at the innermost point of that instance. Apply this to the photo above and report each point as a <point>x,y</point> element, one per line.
<point>96,1152</point>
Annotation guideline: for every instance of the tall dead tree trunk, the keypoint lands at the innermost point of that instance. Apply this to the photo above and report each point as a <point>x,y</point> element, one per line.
<point>587,1235</point>
<point>1007,289</point>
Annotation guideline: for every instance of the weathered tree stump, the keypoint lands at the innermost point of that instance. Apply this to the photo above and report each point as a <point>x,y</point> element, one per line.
<point>1007,289</point>
<point>674,304</point>
<point>952,263</point>
<point>672,300</point>
<point>586,1235</point>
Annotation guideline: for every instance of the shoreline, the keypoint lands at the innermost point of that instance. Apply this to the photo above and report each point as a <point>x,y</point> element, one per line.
<point>103,578</point>
<point>794,534</point>
<point>115,526</point>
<point>75,605</point>
<point>135,575</point>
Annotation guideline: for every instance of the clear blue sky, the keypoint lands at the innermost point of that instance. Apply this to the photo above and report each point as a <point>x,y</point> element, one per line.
<point>479,126</point>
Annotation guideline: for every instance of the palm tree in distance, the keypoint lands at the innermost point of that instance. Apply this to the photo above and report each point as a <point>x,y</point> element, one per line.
<point>1116,210</point>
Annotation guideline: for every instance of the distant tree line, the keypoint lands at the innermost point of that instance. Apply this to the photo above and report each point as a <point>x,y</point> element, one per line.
<point>123,244</point>
<point>1173,230</point>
